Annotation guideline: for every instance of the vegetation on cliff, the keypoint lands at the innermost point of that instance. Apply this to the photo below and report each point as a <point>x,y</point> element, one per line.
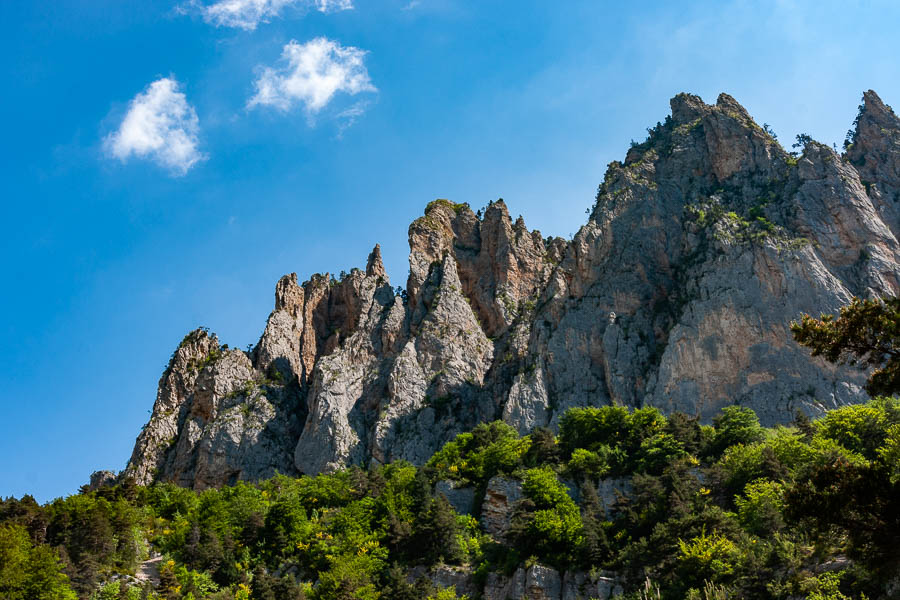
<point>663,506</point>
<point>809,510</point>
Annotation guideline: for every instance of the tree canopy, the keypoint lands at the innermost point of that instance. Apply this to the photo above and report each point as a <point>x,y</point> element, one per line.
<point>866,333</point>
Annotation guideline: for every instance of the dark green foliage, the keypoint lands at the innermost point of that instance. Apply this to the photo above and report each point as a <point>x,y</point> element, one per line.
<point>802,140</point>
<point>858,500</point>
<point>595,547</point>
<point>29,572</point>
<point>547,524</point>
<point>866,332</point>
<point>732,510</point>
<point>397,586</point>
<point>543,449</point>
<point>735,425</point>
<point>435,534</point>
<point>686,430</point>
<point>490,449</point>
<point>611,440</point>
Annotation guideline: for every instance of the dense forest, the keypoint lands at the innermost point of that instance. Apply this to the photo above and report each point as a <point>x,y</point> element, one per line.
<point>731,510</point>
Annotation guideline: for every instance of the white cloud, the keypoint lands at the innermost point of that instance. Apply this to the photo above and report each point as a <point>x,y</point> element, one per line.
<point>347,117</point>
<point>333,5</point>
<point>160,125</point>
<point>313,73</point>
<point>248,14</point>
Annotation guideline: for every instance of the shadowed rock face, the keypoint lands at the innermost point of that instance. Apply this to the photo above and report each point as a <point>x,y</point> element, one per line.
<point>678,292</point>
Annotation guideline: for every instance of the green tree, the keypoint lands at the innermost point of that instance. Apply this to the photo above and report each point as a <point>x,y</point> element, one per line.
<point>857,499</point>
<point>860,428</point>
<point>588,465</point>
<point>435,532</point>
<point>350,577</point>
<point>28,572</point>
<point>735,425</point>
<point>595,547</point>
<point>490,448</point>
<point>543,449</point>
<point>686,430</point>
<point>547,523</point>
<point>865,333</point>
<point>706,557</point>
<point>262,586</point>
<point>591,427</point>
<point>761,507</point>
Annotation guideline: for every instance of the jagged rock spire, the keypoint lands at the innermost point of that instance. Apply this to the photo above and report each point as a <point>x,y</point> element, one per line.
<point>374,266</point>
<point>704,244</point>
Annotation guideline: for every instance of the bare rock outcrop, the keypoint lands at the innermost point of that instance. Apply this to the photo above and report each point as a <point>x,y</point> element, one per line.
<point>678,292</point>
<point>217,419</point>
<point>101,479</point>
<point>176,388</point>
<point>499,502</point>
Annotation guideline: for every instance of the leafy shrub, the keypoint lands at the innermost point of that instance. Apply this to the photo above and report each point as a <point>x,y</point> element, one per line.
<point>623,441</point>
<point>761,507</point>
<point>28,572</point>
<point>735,425</point>
<point>860,428</point>
<point>547,524</point>
<point>778,502</point>
<point>490,449</point>
<point>591,465</point>
<point>706,557</point>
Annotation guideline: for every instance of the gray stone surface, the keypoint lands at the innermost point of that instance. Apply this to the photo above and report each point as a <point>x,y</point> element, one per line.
<point>459,578</point>
<point>537,582</point>
<point>100,479</point>
<point>678,292</point>
<point>461,498</point>
<point>542,583</point>
<point>610,489</point>
<point>500,499</point>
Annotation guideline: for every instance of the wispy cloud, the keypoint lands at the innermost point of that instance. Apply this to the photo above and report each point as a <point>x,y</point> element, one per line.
<point>161,126</point>
<point>311,75</point>
<point>248,14</point>
<point>333,5</point>
<point>347,117</point>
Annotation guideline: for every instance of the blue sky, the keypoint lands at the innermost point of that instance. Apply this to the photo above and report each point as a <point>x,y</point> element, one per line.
<point>163,163</point>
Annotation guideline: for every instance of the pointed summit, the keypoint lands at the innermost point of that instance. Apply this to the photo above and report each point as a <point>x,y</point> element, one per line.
<point>704,244</point>
<point>874,108</point>
<point>872,145</point>
<point>729,104</point>
<point>288,295</point>
<point>875,119</point>
<point>374,266</point>
<point>686,108</point>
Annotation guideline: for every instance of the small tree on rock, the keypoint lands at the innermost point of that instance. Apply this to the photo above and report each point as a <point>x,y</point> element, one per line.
<point>865,333</point>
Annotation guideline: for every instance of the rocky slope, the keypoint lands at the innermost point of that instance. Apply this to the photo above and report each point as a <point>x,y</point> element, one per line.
<point>701,248</point>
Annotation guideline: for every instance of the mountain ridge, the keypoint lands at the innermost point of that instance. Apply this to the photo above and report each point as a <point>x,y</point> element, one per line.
<point>702,246</point>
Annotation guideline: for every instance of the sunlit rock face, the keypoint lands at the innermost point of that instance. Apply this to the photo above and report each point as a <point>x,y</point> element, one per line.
<point>702,246</point>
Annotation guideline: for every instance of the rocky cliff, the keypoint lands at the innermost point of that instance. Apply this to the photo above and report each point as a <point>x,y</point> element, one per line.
<point>701,247</point>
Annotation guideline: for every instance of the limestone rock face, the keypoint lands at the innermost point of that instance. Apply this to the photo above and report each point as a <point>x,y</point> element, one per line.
<point>461,498</point>
<point>461,579</point>
<point>280,345</point>
<point>702,246</point>
<point>176,388</point>
<point>498,505</point>
<point>539,582</point>
<point>216,420</point>
<point>101,479</point>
